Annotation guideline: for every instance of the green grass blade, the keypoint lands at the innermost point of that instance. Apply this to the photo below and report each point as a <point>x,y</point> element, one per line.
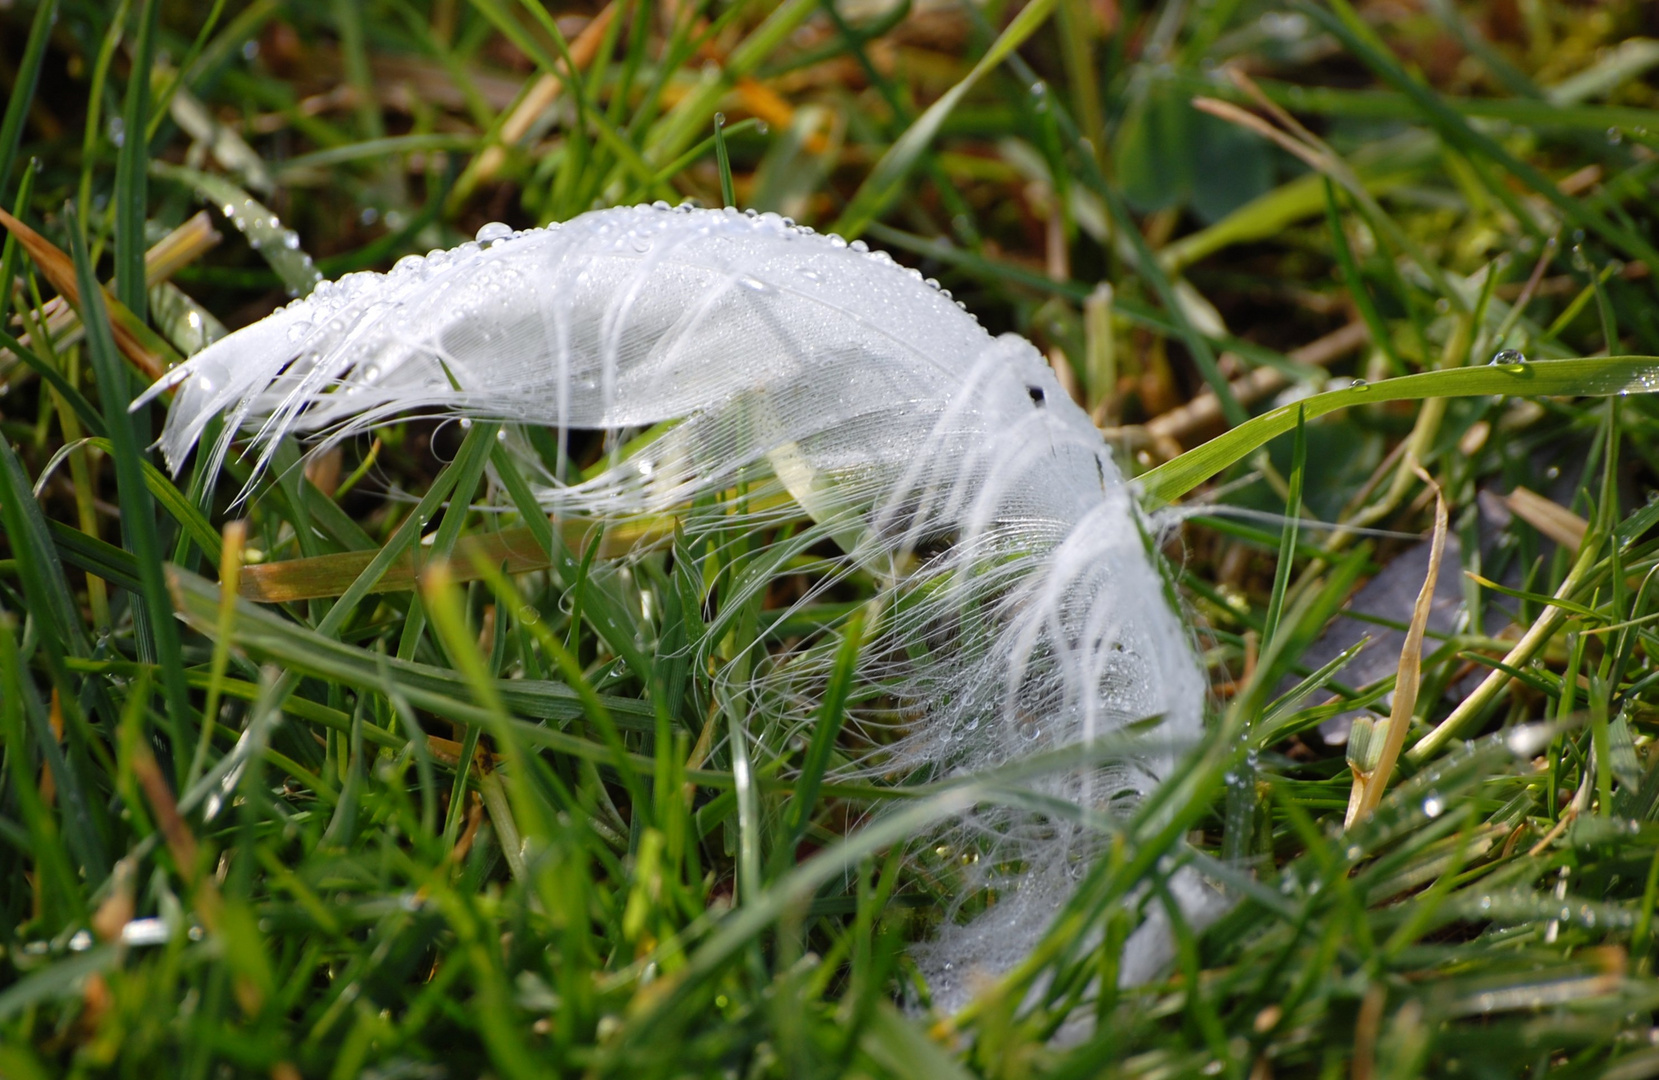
<point>1581,378</point>
<point>138,525</point>
<point>886,179</point>
<point>131,191</point>
<point>20,95</point>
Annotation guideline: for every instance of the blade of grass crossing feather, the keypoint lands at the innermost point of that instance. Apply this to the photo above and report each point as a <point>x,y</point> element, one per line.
<point>131,191</point>
<point>138,527</point>
<point>21,93</point>
<point>832,713</point>
<point>887,177</point>
<point>1600,377</point>
<point>723,161</point>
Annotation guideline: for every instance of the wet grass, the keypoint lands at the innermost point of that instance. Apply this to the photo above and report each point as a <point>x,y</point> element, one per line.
<point>244,842</point>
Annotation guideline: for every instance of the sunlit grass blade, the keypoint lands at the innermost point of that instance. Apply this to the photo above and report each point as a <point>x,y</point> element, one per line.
<point>1583,378</point>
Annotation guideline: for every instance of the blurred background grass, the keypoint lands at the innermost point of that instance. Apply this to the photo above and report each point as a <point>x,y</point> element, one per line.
<point>242,844</point>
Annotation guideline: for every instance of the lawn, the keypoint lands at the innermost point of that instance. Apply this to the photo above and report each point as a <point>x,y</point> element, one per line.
<point>352,764</point>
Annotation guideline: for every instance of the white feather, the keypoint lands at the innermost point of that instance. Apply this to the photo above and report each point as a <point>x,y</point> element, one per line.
<point>881,408</point>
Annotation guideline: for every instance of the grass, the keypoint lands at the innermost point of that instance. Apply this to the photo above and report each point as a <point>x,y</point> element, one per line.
<point>245,842</point>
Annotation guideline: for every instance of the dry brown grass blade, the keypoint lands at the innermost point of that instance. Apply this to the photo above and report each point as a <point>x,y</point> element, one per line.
<point>178,249</point>
<point>536,100</point>
<point>1548,517</point>
<point>1371,778</point>
<point>60,271</point>
<point>517,549</point>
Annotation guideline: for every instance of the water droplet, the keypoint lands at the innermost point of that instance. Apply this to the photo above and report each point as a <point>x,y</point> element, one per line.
<point>762,128</point>
<point>719,119</point>
<point>1359,386</point>
<point>859,246</point>
<point>1507,356</point>
<point>1615,136</point>
<point>493,231</point>
<point>1433,806</point>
